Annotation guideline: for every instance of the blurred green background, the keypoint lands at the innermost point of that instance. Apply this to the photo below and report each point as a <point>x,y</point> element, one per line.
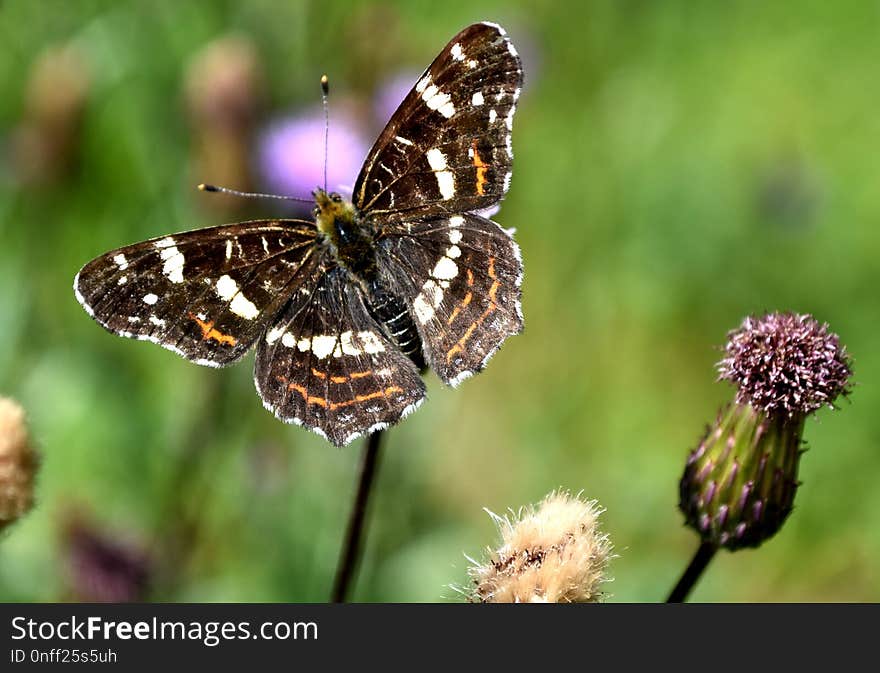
<point>678,166</point>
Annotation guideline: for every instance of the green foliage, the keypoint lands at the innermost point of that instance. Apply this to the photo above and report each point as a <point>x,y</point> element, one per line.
<point>678,166</point>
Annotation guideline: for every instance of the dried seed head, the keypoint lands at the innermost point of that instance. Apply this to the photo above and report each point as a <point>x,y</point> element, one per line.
<point>552,553</point>
<point>18,464</point>
<point>786,363</point>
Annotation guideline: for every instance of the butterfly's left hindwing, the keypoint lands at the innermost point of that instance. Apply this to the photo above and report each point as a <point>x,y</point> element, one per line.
<point>206,294</point>
<point>448,146</point>
<point>325,363</point>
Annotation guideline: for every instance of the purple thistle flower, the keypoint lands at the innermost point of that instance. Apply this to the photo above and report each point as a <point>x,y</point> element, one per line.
<point>786,362</point>
<point>739,484</point>
<point>291,153</point>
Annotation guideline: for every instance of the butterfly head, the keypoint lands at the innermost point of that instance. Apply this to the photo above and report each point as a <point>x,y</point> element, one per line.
<point>331,211</point>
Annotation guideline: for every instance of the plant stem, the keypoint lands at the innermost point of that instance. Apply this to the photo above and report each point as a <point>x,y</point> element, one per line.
<point>350,555</point>
<point>705,553</point>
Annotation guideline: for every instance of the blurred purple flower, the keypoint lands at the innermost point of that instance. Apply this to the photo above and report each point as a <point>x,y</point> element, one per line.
<point>101,568</point>
<point>291,153</point>
<point>391,94</point>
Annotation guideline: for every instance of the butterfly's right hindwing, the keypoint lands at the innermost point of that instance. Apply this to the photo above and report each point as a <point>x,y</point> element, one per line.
<point>460,277</point>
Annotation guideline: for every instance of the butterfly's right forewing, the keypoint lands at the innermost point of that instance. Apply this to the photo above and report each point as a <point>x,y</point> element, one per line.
<point>448,148</point>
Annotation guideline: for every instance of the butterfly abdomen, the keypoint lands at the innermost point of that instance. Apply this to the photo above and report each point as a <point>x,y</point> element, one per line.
<point>392,313</point>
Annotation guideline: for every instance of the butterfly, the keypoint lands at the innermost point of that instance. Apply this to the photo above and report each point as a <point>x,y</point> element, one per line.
<point>346,310</point>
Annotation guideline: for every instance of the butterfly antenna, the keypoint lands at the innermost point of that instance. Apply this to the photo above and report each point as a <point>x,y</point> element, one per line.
<point>325,92</point>
<point>250,195</point>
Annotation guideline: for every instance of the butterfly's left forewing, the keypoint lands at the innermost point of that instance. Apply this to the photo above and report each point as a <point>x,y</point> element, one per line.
<point>206,294</point>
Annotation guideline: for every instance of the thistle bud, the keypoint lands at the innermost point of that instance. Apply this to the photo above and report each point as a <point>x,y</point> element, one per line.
<point>18,464</point>
<point>224,96</point>
<point>739,484</point>
<point>45,144</point>
<point>552,553</point>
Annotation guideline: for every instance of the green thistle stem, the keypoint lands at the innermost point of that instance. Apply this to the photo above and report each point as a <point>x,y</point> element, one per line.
<point>350,555</point>
<point>705,553</point>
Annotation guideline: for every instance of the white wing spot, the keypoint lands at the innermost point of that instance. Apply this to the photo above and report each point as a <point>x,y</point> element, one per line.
<point>423,83</point>
<point>402,140</point>
<point>445,269</point>
<point>243,307</point>
<point>150,299</point>
<point>457,53</point>
<point>427,301</point>
<point>273,335</point>
<point>438,100</point>
<point>492,116</point>
<point>371,343</point>
<point>477,99</point>
<point>454,252</point>
<point>446,183</point>
<point>157,321</point>
<point>288,339</point>
<point>228,248</point>
<point>424,311</point>
<point>173,259</point>
<point>445,179</point>
<point>122,280</point>
<point>455,236</point>
<point>323,345</point>
<point>227,289</point>
<point>121,262</point>
<point>346,346</point>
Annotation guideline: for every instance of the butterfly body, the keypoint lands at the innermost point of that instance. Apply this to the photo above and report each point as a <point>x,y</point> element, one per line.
<point>353,245</point>
<point>346,310</point>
